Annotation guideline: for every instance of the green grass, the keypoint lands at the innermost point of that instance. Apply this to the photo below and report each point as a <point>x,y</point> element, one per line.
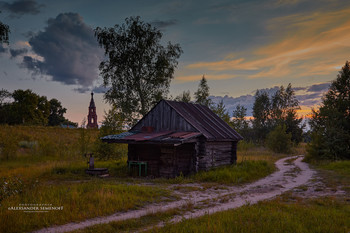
<point>80,201</point>
<point>286,213</point>
<point>341,167</point>
<point>336,174</point>
<point>243,172</point>
<point>43,165</point>
<point>132,224</point>
<point>319,215</point>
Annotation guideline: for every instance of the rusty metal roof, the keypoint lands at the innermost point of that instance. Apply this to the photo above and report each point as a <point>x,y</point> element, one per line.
<point>155,137</point>
<point>146,136</point>
<point>184,134</point>
<point>205,121</point>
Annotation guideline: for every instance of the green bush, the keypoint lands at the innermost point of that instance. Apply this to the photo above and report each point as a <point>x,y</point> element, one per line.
<point>279,141</point>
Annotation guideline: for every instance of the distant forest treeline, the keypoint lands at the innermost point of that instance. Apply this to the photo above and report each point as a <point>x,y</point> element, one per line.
<point>24,107</point>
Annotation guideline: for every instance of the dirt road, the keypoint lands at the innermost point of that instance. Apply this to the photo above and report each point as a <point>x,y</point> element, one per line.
<point>291,173</point>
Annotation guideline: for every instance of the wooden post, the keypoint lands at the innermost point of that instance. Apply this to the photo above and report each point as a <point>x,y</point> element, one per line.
<point>91,162</point>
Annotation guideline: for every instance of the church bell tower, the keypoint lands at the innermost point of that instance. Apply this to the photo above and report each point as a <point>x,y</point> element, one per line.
<point>92,117</point>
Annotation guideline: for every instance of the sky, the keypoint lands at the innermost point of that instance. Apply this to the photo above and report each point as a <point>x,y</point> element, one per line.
<point>239,45</point>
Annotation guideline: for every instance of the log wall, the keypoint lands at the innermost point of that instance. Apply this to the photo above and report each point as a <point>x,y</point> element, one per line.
<point>216,154</point>
<point>170,161</point>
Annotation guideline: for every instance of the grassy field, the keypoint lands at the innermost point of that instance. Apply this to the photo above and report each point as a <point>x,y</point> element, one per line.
<point>310,215</point>
<point>45,166</point>
<point>287,213</point>
<point>277,216</point>
<point>76,201</point>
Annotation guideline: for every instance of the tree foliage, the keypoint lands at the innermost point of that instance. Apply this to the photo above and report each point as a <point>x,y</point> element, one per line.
<point>138,68</point>
<point>4,94</point>
<point>4,32</point>
<point>202,94</point>
<point>29,108</point>
<point>261,113</point>
<point>284,106</point>
<point>184,97</point>
<point>24,107</point>
<point>331,122</point>
<point>280,108</point>
<point>56,113</point>
<point>202,97</point>
<point>113,124</point>
<point>278,140</point>
<point>239,121</point>
<point>220,110</point>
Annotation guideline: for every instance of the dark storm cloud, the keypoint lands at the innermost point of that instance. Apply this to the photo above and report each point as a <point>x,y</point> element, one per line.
<point>69,50</point>
<point>32,64</point>
<point>21,7</point>
<point>16,52</point>
<point>29,34</point>
<point>164,23</point>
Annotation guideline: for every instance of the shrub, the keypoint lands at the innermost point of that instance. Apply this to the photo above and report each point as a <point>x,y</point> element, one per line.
<point>279,141</point>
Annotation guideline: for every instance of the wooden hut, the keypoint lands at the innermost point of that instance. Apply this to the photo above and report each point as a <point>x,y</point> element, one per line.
<point>177,137</point>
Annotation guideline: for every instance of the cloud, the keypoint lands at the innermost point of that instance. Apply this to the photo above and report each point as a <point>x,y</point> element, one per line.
<point>295,47</point>
<point>308,97</point>
<point>21,7</point>
<point>70,53</point>
<point>32,64</point>
<point>17,52</point>
<point>29,34</point>
<point>219,7</point>
<point>3,49</point>
<point>319,87</point>
<point>311,95</point>
<point>98,89</point>
<point>164,23</point>
<point>279,3</point>
<point>189,78</point>
<point>231,102</point>
<point>82,89</point>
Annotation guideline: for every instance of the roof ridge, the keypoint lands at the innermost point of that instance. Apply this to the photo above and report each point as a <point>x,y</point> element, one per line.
<point>169,102</point>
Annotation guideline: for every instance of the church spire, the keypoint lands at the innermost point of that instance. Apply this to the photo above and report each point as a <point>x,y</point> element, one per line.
<point>92,116</point>
<point>92,102</point>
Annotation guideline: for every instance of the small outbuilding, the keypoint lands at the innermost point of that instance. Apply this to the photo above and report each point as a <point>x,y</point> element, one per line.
<point>178,137</point>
